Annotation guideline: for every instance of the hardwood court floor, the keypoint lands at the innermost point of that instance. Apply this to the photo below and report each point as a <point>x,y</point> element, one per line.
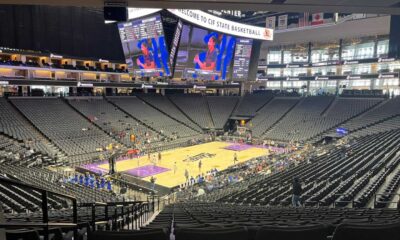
<point>212,155</point>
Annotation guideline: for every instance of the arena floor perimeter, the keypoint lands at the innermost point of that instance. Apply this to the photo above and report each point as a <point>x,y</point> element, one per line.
<point>213,155</point>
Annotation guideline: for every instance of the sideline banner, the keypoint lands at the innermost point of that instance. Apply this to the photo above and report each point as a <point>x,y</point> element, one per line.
<point>222,25</point>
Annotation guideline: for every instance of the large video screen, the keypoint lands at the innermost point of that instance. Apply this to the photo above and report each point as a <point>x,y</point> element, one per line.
<point>144,47</point>
<point>204,54</point>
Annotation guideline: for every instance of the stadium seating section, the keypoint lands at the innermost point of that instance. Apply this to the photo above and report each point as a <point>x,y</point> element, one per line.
<point>348,190</point>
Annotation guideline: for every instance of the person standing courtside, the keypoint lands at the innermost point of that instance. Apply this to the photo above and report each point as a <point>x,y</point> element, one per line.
<point>187,175</point>
<point>200,164</point>
<point>235,158</point>
<point>296,189</point>
<point>175,167</point>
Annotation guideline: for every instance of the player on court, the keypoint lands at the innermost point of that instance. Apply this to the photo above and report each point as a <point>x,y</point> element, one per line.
<point>187,160</point>
<point>200,164</point>
<point>175,167</point>
<point>235,158</point>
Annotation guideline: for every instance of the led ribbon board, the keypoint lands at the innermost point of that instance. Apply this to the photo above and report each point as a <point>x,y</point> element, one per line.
<point>218,24</point>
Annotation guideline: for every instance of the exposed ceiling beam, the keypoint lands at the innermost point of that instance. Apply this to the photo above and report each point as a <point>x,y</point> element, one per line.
<point>245,5</point>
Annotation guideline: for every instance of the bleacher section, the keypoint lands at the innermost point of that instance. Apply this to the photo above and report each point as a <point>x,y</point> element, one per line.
<point>315,115</point>
<point>221,109</point>
<point>66,128</point>
<point>196,108</point>
<point>382,126</point>
<point>268,115</point>
<point>14,125</point>
<point>337,177</point>
<point>251,103</point>
<point>352,181</point>
<point>385,111</point>
<point>151,117</point>
<point>163,104</point>
<point>19,200</point>
<point>112,120</point>
<point>225,221</point>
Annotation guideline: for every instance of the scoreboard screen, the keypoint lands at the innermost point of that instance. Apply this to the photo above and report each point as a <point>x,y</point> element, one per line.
<point>144,47</point>
<point>241,60</point>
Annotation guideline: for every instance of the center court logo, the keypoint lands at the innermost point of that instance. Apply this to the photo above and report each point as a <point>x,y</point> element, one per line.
<point>199,157</point>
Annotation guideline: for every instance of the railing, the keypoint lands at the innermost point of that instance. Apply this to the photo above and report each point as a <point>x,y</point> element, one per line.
<point>391,196</point>
<point>333,23</point>
<point>115,215</point>
<point>336,203</point>
<point>45,217</point>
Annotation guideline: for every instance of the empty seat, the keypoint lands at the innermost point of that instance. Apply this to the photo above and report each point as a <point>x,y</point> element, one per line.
<point>151,234</point>
<point>312,232</point>
<point>22,234</point>
<point>348,231</point>
<point>236,233</point>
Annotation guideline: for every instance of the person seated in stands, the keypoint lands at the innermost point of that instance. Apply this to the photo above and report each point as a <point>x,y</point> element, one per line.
<point>102,182</point>
<point>109,185</point>
<point>192,180</point>
<point>81,178</point>
<point>200,192</point>
<point>297,190</point>
<point>74,179</point>
<point>98,183</point>
<point>87,180</point>
<point>39,161</point>
<point>91,181</point>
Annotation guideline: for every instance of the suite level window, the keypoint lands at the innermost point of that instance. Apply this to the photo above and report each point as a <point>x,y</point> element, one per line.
<point>274,84</point>
<point>389,67</point>
<point>357,69</point>
<point>294,72</point>
<point>365,50</point>
<point>391,82</point>
<point>358,49</point>
<point>273,72</point>
<point>361,83</point>
<point>295,53</point>
<point>318,71</point>
<point>317,84</point>
<point>274,57</point>
<point>322,52</point>
<point>383,48</point>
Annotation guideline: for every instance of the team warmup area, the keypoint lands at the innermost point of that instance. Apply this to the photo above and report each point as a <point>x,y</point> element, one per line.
<point>169,171</point>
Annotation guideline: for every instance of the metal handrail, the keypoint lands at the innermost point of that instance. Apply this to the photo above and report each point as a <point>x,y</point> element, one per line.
<point>136,211</point>
<point>11,225</point>
<point>45,214</point>
<point>391,195</point>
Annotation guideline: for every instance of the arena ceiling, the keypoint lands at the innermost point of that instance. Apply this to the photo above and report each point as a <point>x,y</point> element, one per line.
<point>343,6</point>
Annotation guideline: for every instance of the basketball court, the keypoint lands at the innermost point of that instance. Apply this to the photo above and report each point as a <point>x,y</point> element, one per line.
<point>170,171</point>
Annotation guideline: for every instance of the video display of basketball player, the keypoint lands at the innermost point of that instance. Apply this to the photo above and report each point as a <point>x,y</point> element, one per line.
<point>204,54</point>
<point>144,47</point>
<point>148,57</point>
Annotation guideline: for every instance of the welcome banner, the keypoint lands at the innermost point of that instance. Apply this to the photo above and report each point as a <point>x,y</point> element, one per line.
<point>222,25</point>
